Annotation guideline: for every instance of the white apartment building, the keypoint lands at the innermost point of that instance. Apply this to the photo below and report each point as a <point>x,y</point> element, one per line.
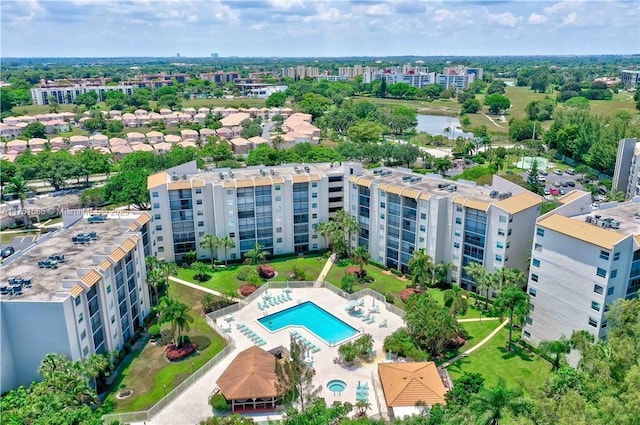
<point>92,302</point>
<point>630,79</point>
<point>301,72</point>
<point>626,176</point>
<point>582,260</point>
<point>457,81</point>
<point>68,94</point>
<point>401,212</point>
<point>418,80</point>
<point>278,207</point>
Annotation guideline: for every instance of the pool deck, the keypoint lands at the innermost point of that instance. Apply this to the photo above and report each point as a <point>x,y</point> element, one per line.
<point>192,406</point>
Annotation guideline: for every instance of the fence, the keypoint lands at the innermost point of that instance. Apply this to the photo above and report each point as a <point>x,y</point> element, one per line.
<point>364,292</point>
<point>145,416</point>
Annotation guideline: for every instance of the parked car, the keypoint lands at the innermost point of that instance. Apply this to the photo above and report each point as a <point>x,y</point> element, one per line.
<point>543,172</point>
<point>565,184</point>
<point>554,191</point>
<point>557,184</point>
<point>542,179</point>
<point>562,192</point>
<point>571,172</point>
<point>548,198</point>
<point>546,191</point>
<point>571,183</point>
<point>557,172</point>
<point>7,252</point>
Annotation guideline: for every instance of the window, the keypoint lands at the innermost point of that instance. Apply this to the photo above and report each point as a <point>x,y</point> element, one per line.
<point>113,319</point>
<point>593,322</point>
<point>314,205</point>
<point>278,198</point>
<point>201,224</point>
<point>598,289</point>
<point>80,318</point>
<point>614,274</point>
<point>277,187</point>
<point>232,234</point>
<point>604,255</point>
<point>198,190</point>
<point>459,208</point>
<point>498,257</point>
<point>156,205</point>
<point>199,213</point>
<point>85,351</point>
<point>616,256</point>
<point>108,289</point>
<point>540,231</point>
<point>314,194</point>
<point>536,262</point>
<point>159,227</point>
<point>160,238</point>
<point>509,232</point>
<point>456,244</point>
<point>499,245</point>
<point>595,306</point>
<point>531,307</point>
<point>458,220</point>
<point>532,292</point>
<point>537,247</point>
<point>423,216</point>
<point>279,240</point>
<point>611,290</point>
<point>601,272</point>
<point>501,232</point>
<point>278,229</point>
<point>529,320</point>
<point>314,237</point>
<point>457,233</point>
<point>230,202</point>
<point>527,334</point>
<point>383,205</point>
<point>201,234</point>
<point>157,217</point>
<point>83,335</point>
<point>423,228</point>
<point>314,184</point>
<point>160,249</point>
<point>78,300</point>
<point>154,194</point>
<point>503,219</point>
<point>314,215</point>
<point>198,201</point>
<point>421,240</point>
<point>534,277</point>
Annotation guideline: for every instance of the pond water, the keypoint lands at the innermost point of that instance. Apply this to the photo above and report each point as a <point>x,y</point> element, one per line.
<point>436,124</point>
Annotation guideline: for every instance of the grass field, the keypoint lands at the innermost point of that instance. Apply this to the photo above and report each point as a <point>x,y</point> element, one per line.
<point>476,332</point>
<point>622,101</point>
<point>225,279</point>
<point>149,375</point>
<point>518,368</point>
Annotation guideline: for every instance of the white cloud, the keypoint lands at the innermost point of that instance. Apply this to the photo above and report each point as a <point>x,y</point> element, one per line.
<point>227,14</point>
<point>442,15</point>
<point>535,19</point>
<point>570,19</point>
<point>379,10</point>
<point>563,6</point>
<point>324,15</point>
<point>286,4</point>
<point>506,19</point>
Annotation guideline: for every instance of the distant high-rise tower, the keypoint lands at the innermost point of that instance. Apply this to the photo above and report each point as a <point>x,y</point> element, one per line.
<point>177,55</point>
<point>214,55</point>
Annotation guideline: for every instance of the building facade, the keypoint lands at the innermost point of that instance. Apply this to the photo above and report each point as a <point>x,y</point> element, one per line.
<point>581,262</point>
<point>93,302</point>
<point>277,207</point>
<point>68,94</point>
<point>630,79</point>
<point>400,212</point>
<point>626,176</point>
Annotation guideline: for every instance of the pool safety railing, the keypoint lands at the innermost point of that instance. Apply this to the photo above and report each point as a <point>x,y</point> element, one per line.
<point>362,293</point>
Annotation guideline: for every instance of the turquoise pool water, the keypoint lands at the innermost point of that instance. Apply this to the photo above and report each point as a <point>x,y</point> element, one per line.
<point>318,321</point>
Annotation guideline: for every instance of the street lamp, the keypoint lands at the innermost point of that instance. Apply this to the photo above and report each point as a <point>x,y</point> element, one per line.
<point>165,389</point>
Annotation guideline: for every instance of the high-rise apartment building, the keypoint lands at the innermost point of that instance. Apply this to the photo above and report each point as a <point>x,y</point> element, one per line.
<point>73,295</point>
<point>630,79</point>
<point>626,176</point>
<point>399,212</point>
<point>582,260</point>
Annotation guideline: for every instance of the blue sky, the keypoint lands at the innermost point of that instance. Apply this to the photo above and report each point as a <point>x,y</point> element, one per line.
<point>37,28</point>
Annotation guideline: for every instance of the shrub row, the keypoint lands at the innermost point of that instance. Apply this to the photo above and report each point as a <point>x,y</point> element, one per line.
<point>178,353</point>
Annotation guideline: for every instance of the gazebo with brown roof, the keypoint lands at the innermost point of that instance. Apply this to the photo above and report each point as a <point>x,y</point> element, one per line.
<point>406,384</point>
<point>250,380</point>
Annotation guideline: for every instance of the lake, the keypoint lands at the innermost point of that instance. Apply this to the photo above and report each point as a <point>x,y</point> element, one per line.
<point>435,125</point>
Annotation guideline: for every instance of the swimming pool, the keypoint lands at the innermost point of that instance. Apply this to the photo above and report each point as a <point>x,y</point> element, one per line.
<point>318,321</point>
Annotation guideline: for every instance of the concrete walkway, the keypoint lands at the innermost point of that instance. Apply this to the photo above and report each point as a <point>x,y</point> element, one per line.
<point>325,271</point>
<point>475,347</point>
<point>203,289</point>
<point>477,319</point>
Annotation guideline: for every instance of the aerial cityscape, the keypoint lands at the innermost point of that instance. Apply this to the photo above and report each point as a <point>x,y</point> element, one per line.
<point>320,212</point>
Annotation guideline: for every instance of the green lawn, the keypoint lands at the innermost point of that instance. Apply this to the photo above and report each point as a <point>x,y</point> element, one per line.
<point>518,368</point>
<point>622,101</point>
<point>149,375</point>
<point>225,279</point>
<point>476,332</point>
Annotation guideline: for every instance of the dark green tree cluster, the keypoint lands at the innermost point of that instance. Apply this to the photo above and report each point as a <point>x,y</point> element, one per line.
<point>540,110</point>
<point>303,152</point>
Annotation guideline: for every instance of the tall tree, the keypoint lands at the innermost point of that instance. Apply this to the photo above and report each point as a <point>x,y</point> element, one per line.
<point>421,267</point>
<point>177,314</point>
<point>257,255</point>
<point>19,187</point>
<point>361,257</point>
<point>226,243</point>
<point>557,348</point>
<point>295,378</point>
<point>442,165</point>
<point>492,404</point>
<point>348,224</point>
<point>209,242</point>
<point>477,272</point>
<point>512,300</point>
<point>431,325</point>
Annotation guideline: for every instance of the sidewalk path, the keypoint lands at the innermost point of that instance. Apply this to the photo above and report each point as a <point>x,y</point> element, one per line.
<point>475,347</point>
<point>325,271</point>
<point>477,319</point>
<point>203,289</point>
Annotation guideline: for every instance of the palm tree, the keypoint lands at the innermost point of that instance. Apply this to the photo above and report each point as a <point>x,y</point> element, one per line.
<point>209,242</point>
<point>151,262</point>
<point>557,348</point>
<point>155,280</point>
<point>420,267</point>
<point>95,366</point>
<point>18,186</point>
<point>53,364</point>
<point>514,301</point>
<point>361,407</point>
<point>487,282</point>
<point>200,270</point>
<point>174,312</point>
<point>456,301</point>
<point>361,257</point>
<point>348,224</point>
<point>226,243</point>
<point>441,273</point>
<point>257,254</point>
<point>492,404</point>
<point>442,165</point>
<point>167,269</point>
<point>327,231</point>
<point>477,272</point>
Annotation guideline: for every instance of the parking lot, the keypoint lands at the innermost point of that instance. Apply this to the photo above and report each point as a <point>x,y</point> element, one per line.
<point>558,182</point>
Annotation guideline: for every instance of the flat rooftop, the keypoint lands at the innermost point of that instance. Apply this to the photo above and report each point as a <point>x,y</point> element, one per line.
<point>624,213</point>
<point>46,283</point>
<point>40,205</point>
<point>429,183</point>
